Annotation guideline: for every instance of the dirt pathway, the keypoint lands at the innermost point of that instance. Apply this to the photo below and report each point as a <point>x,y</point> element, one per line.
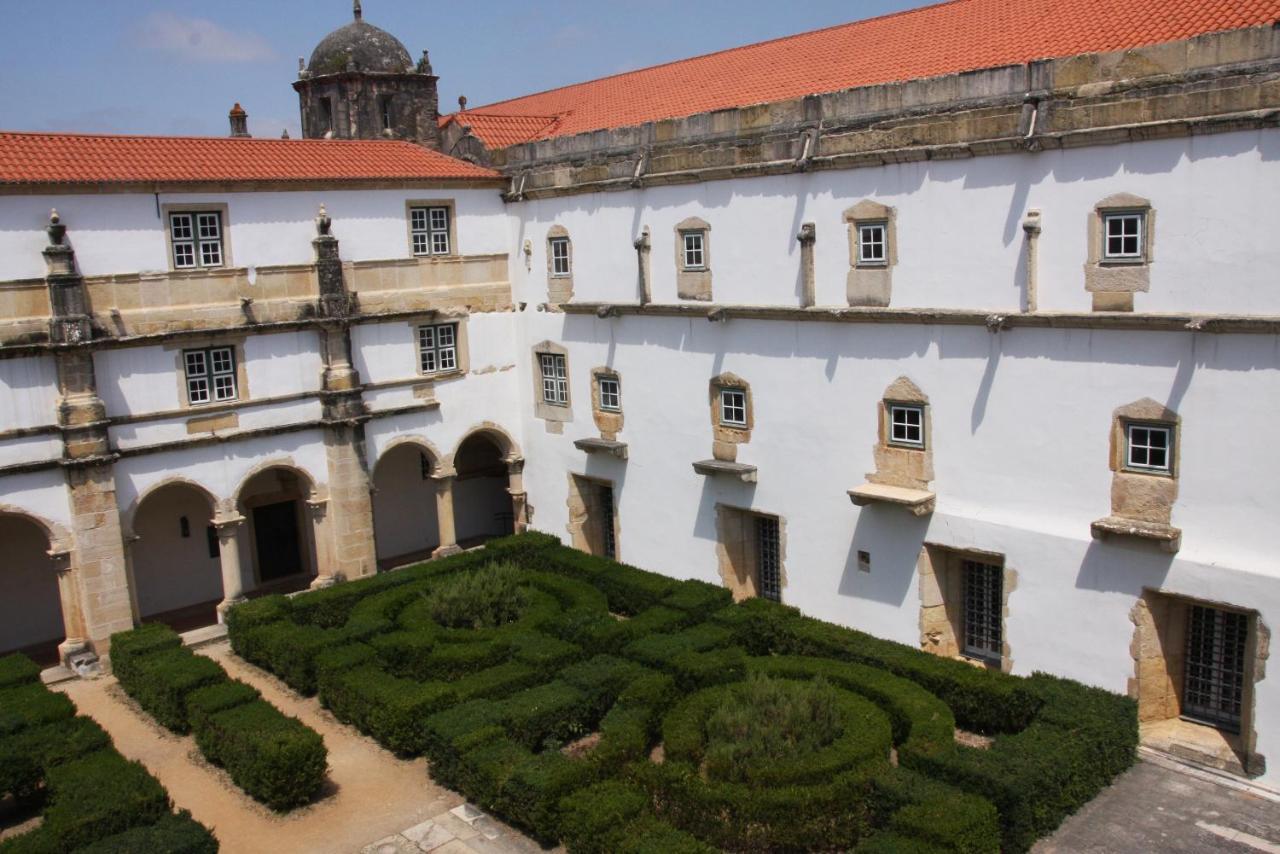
<point>373,797</point>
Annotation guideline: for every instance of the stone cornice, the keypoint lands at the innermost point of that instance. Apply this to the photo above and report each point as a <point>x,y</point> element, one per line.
<point>1214,83</point>
<point>991,320</point>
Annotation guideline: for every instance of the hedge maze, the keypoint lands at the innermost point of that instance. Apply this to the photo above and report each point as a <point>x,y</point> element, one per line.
<point>62,767</point>
<point>618,710</point>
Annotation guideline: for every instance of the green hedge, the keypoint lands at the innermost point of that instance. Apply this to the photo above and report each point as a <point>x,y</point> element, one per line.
<point>276,759</point>
<point>17,669</point>
<point>29,705</point>
<point>172,834</point>
<point>160,683</point>
<point>392,710</point>
<point>25,756</point>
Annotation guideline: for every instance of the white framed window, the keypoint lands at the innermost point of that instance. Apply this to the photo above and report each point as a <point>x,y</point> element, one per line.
<point>695,254</point>
<point>196,238</point>
<point>1122,237</point>
<point>438,348</point>
<point>1149,447</point>
<point>555,379</point>
<point>733,407</point>
<point>873,244</point>
<point>429,228</point>
<point>610,394</point>
<point>906,425</point>
<point>560,256</point>
<point>211,375</point>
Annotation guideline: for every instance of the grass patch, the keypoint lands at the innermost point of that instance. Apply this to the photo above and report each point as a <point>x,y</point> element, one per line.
<point>482,599</point>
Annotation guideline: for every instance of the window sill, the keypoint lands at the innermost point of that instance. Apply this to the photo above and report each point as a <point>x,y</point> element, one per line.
<point>1167,537</point>
<point>605,446</point>
<point>1122,262</point>
<point>711,468</point>
<point>920,502</point>
<point>435,376</point>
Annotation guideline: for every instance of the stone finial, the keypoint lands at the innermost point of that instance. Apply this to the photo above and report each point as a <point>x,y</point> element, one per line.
<point>302,67</point>
<point>284,134</point>
<point>323,222</point>
<point>239,121</point>
<point>357,11</point>
<point>462,103</point>
<point>424,64</point>
<point>808,234</point>
<point>56,230</point>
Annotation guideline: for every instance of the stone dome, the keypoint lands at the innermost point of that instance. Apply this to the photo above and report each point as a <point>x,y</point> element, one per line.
<point>371,48</point>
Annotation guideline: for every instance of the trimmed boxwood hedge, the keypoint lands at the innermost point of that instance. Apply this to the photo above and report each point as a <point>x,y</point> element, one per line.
<point>17,669</point>
<point>608,649</point>
<point>173,834</point>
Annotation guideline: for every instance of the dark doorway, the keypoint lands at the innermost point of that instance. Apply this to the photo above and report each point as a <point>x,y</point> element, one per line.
<point>275,533</point>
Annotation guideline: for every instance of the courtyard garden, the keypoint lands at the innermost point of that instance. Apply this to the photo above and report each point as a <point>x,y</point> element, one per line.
<point>617,710</point>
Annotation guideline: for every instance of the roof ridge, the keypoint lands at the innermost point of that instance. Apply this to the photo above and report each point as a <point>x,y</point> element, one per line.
<point>239,140</point>
<point>898,14</point>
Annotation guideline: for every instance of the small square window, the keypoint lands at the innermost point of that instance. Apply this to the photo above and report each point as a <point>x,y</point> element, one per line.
<point>733,407</point>
<point>555,379</point>
<point>438,348</point>
<point>873,244</point>
<point>560,256</point>
<point>906,425</point>
<point>695,257</point>
<point>429,230</point>
<point>210,375</point>
<point>610,394</point>
<point>1149,448</point>
<point>1122,236</point>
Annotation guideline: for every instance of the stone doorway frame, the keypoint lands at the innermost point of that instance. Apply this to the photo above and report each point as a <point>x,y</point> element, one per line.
<point>941,589</point>
<point>737,552</point>
<point>585,531</point>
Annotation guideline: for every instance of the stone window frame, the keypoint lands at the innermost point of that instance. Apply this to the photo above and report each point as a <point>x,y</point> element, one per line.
<point>907,466</point>
<point>237,344</point>
<point>224,213</point>
<point>451,206</point>
<point>727,436</point>
<point>941,590</point>
<point>1145,413</point>
<point>1114,280</point>
<point>862,259</point>
<point>551,412</point>
<point>209,357</point>
<point>923,443</point>
<point>870,283</point>
<point>1169,469</point>
<point>462,343</point>
<point>608,421</point>
<point>736,552</point>
<point>693,283</point>
<point>559,285</point>
<point>579,507</point>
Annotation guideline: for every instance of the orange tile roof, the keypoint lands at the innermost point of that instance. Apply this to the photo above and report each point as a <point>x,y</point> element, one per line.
<point>498,131</point>
<point>962,35</point>
<point>57,158</point>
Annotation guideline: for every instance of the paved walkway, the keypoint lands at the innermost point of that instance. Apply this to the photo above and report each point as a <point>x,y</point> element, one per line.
<point>1157,807</point>
<point>375,802</point>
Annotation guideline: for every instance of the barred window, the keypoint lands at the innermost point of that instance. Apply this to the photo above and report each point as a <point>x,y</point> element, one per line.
<point>1213,684</point>
<point>1149,447</point>
<point>769,555</point>
<point>873,244</point>
<point>555,379</point>
<point>610,394</point>
<point>438,348</point>
<point>1122,236</point>
<point>429,227</point>
<point>906,425</point>
<point>560,256</point>
<point>211,375</point>
<point>695,257</point>
<point>983,610</point>
<point>196,238</point>
<point>733,407</point>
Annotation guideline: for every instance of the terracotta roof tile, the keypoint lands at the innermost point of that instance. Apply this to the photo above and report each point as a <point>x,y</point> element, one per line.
<point>962,35</point>
<point>499,131</point>
<point>55,158</point>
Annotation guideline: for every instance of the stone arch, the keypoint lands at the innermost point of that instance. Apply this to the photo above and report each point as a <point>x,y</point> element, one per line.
<point>279,540</point>
<point>485,483</point>
<point>497,434</point>
<point>175,567</point>
<point>405,482</point>
<point>35,589</point>
<point>278,463</point>
<point>130,514</point>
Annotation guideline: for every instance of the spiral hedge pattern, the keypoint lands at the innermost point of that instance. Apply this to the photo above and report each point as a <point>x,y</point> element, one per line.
<point>623,666</point>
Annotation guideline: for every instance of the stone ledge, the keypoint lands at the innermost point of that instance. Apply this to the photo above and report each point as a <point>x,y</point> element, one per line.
<point>1168,537</point>
<point>592,444</point>
<point>711,468</point>
<point>919,501</point>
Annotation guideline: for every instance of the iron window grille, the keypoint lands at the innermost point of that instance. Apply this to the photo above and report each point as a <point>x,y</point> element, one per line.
<point>610,394</point>
<point>906,425</point>
<point>608,541</point>
<point>211,375</point>
<point>560,256</point>
<point>1122,236</point>
<point>1213,688</point>
<point>429,227</point>
<point>769,554</point>
<point>873,244</point>
<point>733,407</point>
<point>555,379</point>
<point>983,610</point>
<point>695,256</point>
<point>438,348</point>
<point>196,237</point>
<point>1149,448</point>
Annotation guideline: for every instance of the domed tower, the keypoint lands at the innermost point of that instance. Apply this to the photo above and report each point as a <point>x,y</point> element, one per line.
<point>361,83</point>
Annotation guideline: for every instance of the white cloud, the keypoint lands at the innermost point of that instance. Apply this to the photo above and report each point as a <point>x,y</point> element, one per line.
<point>199,40</point>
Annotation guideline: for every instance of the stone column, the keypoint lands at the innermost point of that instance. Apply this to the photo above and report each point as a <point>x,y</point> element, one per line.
<point>519,498</point>
<point>229,529</point>
<point>642,245</point>
<point>349,515</point>
<point>807,237</point>
<point>77,640</point>
<point>1031,227</point>
<point>444,513</point>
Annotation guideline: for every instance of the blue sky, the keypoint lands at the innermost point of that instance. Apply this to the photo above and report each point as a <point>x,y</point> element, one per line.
<point>136,66</point>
